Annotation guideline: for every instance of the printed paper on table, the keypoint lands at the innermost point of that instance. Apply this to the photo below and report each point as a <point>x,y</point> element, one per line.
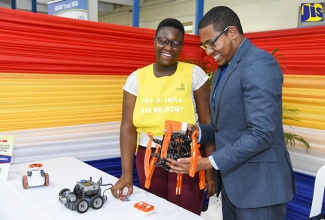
<point>6,148</point>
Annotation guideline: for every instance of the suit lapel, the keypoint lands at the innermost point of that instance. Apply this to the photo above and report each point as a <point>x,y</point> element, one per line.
<point>215,78</point>
<point>220,89</point>
<point>231,68</point>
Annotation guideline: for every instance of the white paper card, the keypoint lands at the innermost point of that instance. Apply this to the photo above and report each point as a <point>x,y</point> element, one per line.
<point>6,148</point>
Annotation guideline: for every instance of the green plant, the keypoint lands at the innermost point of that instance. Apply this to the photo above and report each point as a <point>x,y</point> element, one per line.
<point>208,66</point>
<point>288,114</point>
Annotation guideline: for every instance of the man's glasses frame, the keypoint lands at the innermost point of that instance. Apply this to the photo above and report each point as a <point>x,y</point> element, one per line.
<point>211,45</point>
<point>164,41</point>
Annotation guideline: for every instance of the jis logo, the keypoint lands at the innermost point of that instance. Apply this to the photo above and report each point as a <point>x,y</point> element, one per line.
<point>312,12</point>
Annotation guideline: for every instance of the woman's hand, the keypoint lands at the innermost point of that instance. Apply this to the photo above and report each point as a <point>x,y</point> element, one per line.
<point>123,182</point>
<point>210,177</point>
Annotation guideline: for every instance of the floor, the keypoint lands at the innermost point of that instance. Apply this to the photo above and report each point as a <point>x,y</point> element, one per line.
<point>214,211</point>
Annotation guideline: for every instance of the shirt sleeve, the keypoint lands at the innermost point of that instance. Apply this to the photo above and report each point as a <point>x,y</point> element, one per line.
<point>131,84</point>
<point>199,77</point>
<point>215,166</point>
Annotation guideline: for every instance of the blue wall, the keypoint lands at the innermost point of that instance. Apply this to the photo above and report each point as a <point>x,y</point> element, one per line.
<point>297,209</point>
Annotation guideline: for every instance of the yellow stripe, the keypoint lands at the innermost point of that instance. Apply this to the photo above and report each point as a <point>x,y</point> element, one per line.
<point>307,94</point>
<point>30,101</point>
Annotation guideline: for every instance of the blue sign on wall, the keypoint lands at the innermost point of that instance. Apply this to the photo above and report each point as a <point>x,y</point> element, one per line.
<point>77,9</point>
<point>312,12</point>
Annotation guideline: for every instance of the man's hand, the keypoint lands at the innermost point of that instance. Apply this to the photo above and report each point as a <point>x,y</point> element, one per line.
<point>192,128</point>
<point>182,165</point>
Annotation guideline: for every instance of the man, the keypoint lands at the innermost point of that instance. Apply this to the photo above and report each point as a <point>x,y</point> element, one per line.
<point>257,179</point>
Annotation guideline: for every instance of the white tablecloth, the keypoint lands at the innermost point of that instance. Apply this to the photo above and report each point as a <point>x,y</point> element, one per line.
<point>42,202</point>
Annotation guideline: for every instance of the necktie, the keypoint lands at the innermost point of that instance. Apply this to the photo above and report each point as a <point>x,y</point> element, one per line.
<point>215,89</point>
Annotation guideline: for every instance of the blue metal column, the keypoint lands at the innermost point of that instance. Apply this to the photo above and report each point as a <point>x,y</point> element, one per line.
<point>136,13</point>
<point>198,15</point>
<point>34,6</point>
<point>13,4</point>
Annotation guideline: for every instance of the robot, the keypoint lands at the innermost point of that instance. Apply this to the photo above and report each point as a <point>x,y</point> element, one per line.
<point>177,143</point>
<point>36,176</point>
<point>85,193</point>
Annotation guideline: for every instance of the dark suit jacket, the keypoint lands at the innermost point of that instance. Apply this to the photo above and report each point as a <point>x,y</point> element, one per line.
<point>246,125</point>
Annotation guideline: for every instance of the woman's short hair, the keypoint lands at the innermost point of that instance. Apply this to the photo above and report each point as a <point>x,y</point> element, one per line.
<point>171,22</point>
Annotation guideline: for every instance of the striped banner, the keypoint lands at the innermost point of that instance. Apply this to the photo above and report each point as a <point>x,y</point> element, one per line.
<point>59,74</point>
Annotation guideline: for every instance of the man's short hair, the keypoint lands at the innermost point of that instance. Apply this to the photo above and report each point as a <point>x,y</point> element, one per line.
<point>221,17</point>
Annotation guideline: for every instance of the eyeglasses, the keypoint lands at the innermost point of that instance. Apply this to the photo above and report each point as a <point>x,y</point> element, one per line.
<point>164,42</point>
<point>211,44</point>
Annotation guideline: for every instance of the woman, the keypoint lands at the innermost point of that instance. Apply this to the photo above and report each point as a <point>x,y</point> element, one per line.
<point>166,89</point>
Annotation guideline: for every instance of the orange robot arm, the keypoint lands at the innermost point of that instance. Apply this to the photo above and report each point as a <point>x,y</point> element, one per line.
<point>147,155</point>
<point>194,153</point>
<point>151,168</point>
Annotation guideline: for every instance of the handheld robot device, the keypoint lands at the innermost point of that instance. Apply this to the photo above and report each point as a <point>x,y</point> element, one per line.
<point>177,143</point>
<point>36,176</point>
<point>85,193</point>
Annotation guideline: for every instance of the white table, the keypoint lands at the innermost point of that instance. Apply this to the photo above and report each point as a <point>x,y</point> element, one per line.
<point>42,202</point>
